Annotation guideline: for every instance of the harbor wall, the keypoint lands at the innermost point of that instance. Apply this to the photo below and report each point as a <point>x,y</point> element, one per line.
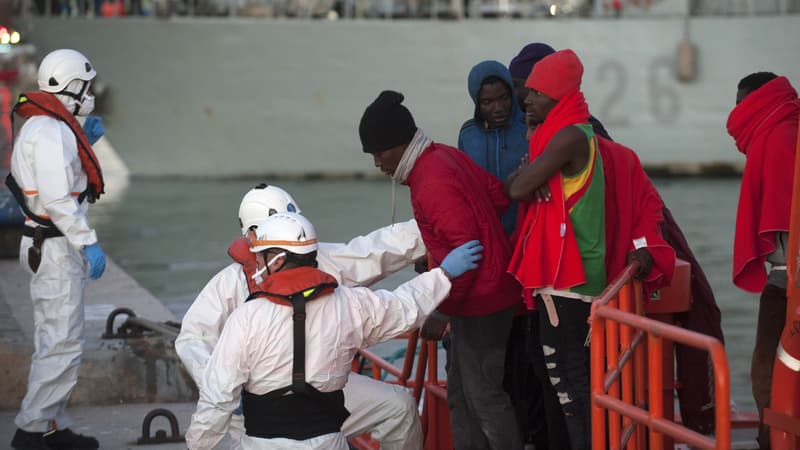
<point>235,96</point>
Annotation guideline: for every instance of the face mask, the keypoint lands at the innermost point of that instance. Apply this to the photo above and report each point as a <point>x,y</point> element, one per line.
<point>86,106</point>
<point>76,98</point>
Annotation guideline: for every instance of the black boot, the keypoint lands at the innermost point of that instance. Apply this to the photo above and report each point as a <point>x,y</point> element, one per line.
<point>67,440</point>
<point>25,440</point>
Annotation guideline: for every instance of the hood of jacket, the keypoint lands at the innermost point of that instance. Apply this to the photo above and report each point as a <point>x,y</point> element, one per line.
<point>487,69</point>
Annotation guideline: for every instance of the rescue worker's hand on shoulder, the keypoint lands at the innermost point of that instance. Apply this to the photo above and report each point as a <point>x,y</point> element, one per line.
<point>93,128</point>
<point>97,260</point>
<point>461,259</point>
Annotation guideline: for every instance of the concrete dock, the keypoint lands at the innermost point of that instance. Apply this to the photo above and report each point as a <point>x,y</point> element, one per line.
<point>116,427</point>
<point>134,375</point>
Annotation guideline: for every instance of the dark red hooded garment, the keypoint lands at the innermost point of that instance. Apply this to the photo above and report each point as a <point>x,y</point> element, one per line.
<point>633,211</point>
<point>764,126</point>
<point>696,392</point>
<point>693,366</point>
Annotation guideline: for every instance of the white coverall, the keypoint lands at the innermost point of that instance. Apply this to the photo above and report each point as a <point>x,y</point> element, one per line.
<point>386,411</point>
<point>255,351</point>
<point>47,167</point>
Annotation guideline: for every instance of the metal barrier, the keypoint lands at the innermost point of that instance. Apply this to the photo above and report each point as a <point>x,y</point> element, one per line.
<point>623,369</point>
<point>160,436</point>
<point>136,327</point>
<point>632,405</point>
<point>382,9</point>
<point>380,365</point>
<point>435,414</point>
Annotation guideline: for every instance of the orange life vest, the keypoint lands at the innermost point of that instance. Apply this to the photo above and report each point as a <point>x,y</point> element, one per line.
<point>280,287</point>
<point>239,251</point>
<point>305,282</point>
<point>46,104</point>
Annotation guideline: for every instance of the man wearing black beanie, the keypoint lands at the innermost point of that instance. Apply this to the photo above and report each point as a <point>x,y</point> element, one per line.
<point>456,201</point>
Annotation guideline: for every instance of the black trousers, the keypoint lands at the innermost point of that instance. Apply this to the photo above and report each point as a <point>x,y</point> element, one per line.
<point>535,402</point>
<point>567,361</point>
<point>771,319</point>
<point>481,415</point>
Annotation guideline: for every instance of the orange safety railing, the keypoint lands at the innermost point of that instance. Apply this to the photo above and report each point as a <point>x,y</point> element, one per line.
<point>435,412</point>
<point>380,365</point>
<point>628,377</point>
<point>435,415</point>
<point>631,377</point>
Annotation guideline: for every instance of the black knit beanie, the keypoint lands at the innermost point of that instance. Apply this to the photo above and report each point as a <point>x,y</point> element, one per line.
<point>386,123</point>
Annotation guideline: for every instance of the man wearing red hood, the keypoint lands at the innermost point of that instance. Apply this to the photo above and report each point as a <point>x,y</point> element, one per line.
<point>764,125</point>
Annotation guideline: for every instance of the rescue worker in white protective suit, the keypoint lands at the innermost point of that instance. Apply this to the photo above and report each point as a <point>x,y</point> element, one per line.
<point>386,411</point>
<point>54,176</point>
<point>287,352</point>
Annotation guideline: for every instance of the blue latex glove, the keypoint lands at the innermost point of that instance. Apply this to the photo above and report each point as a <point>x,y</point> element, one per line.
<point>462,258</point>
<point>93,128</point>
<point>97,260</point>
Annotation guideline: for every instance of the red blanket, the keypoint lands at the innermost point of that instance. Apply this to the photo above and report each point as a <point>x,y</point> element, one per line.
<point>546,251</point>
<point>633,212</point>
<point>764,126</point>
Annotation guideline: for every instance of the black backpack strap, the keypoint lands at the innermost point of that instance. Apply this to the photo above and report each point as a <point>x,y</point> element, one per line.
<point>299,357</point>
<point>254,295</point>
<point>20,197</point>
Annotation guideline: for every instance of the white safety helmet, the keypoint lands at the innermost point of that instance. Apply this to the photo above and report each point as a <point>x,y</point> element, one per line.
<point>287,231</point>
<point>263,201</point>
<point>68,74</point>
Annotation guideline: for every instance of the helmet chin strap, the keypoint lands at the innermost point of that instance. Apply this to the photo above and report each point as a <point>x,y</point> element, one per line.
<point>257,276</point>
<point>79,97</point>
<point>80,93</point>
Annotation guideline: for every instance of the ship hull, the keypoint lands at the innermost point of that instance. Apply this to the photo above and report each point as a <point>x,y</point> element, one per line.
<point>234,96</point>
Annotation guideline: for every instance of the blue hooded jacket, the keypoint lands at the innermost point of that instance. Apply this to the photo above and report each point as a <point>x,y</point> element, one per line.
<point>500,150</point>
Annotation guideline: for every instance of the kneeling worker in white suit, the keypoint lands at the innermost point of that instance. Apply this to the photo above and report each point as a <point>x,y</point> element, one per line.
<point>386,411</point>
<point>286,354</point>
